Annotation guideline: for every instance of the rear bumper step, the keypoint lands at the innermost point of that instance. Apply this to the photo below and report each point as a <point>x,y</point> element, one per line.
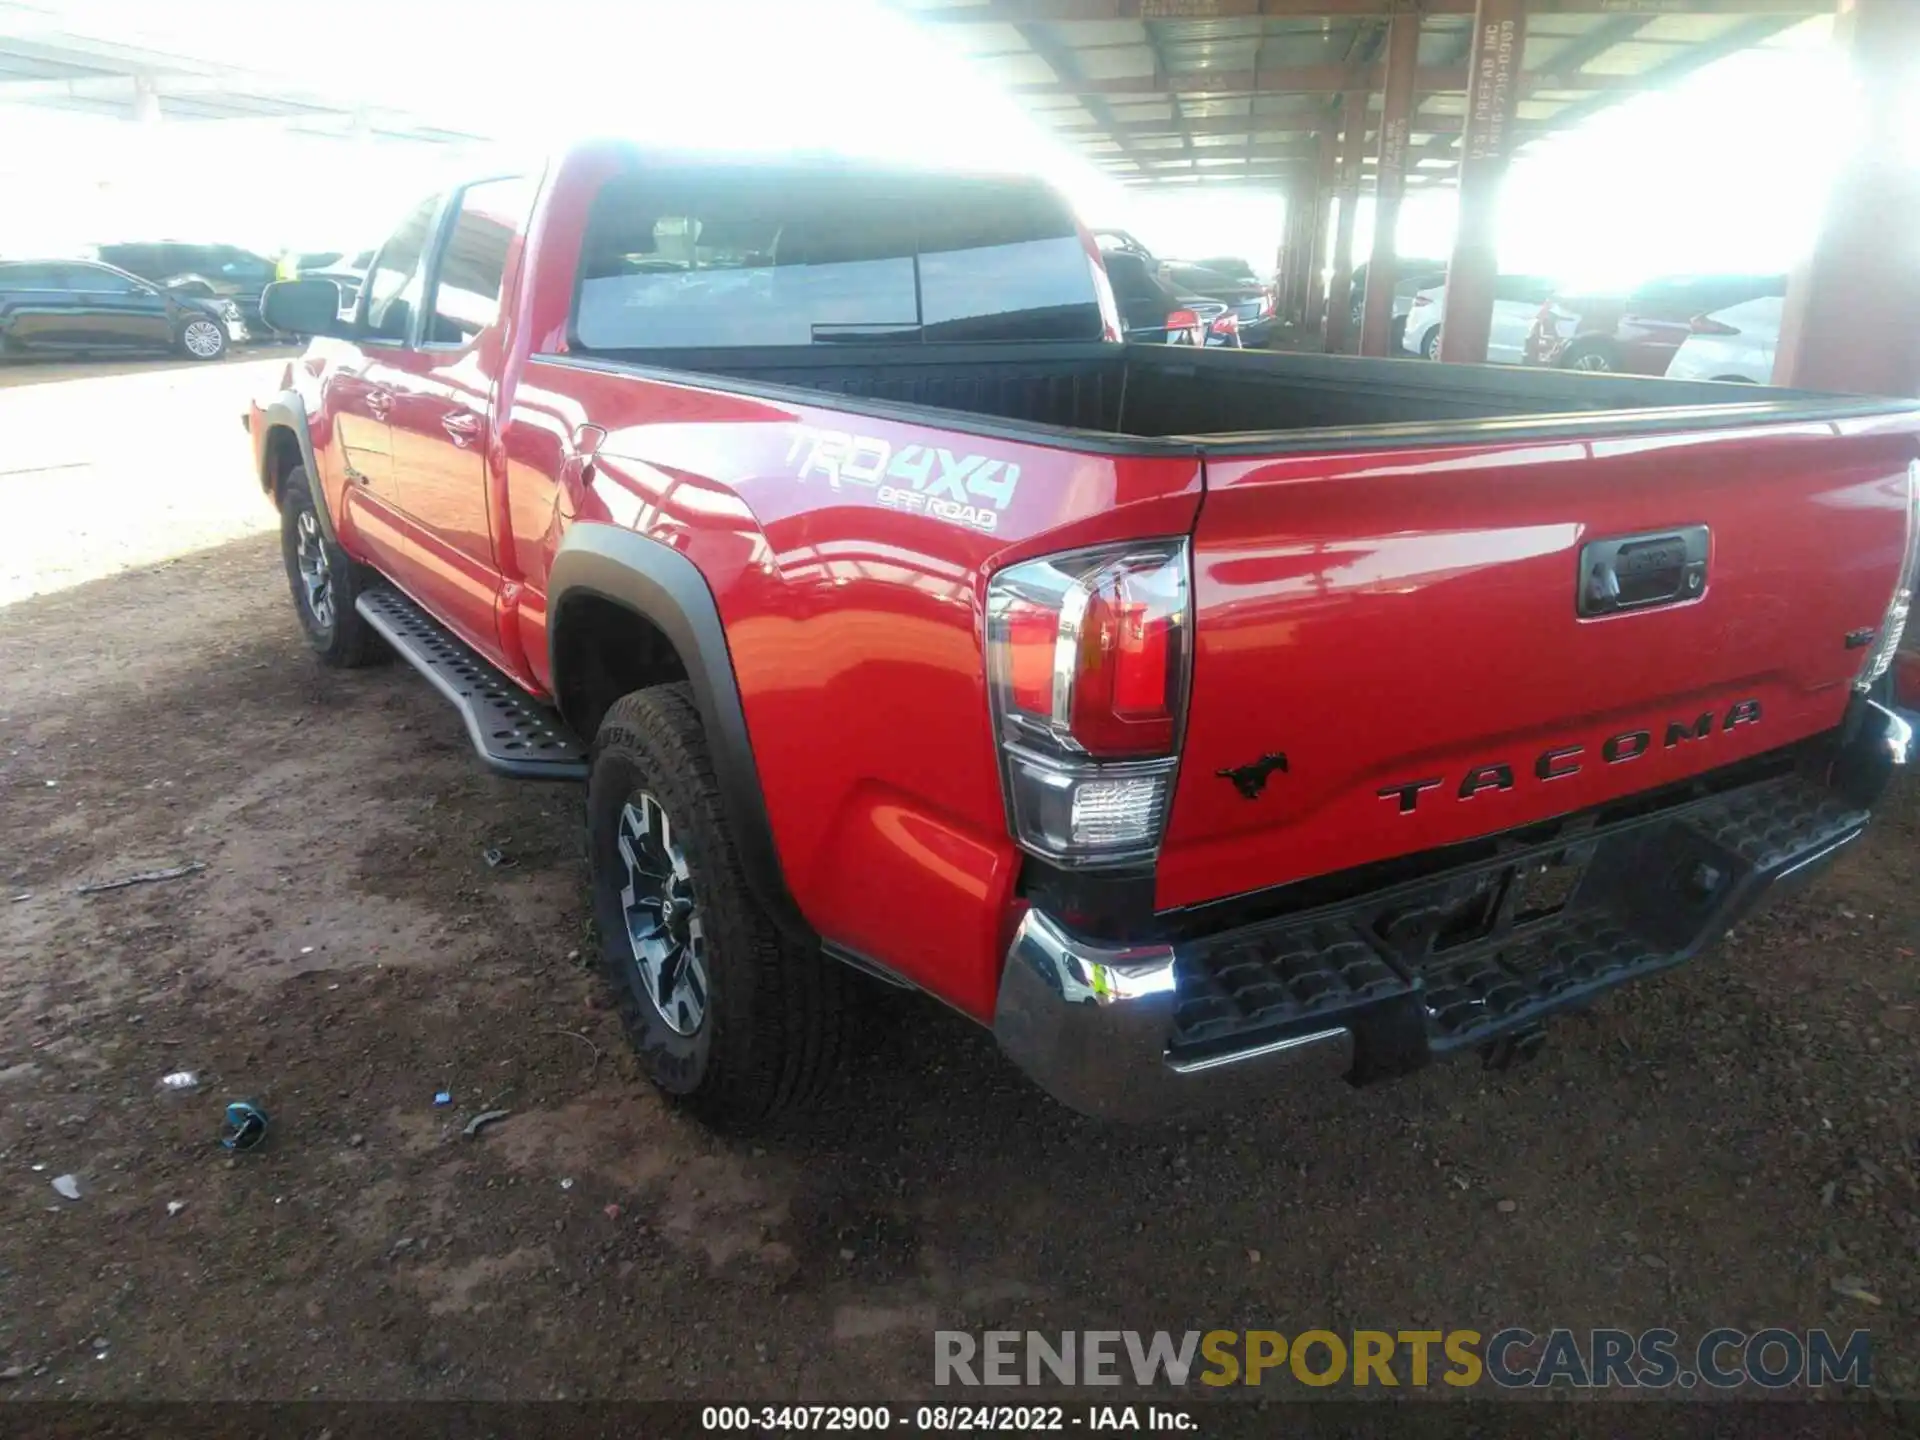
<point>513,733</point>
<point>1473,958</point>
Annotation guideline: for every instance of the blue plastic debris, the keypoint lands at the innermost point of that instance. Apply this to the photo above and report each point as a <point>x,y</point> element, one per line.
<point>246,1126</point>
<point>443,1097</point>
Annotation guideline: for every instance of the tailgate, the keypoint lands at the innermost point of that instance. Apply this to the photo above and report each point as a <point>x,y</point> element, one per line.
<point>1404,628</point>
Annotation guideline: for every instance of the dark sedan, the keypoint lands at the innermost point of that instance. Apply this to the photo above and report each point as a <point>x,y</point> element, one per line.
<point>78,307</point>
<point>213,272</point>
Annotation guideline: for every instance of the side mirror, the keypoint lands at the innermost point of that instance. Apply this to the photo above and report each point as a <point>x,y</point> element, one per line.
<point>303,307</point>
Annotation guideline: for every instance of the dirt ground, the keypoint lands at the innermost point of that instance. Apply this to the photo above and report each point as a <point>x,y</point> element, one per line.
<point>1731,1145</point>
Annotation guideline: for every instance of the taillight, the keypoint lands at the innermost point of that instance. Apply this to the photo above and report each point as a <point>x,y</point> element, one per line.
<point>1266,302</point>
<point>1087,659</point>
<point>1707,325</point>
<point>1183,328</point>
<point>1422,297</point>
<point>1225,323</point>
<point>1893,624</point>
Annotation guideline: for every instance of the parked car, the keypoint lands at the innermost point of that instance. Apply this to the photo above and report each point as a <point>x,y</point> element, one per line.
<point>80,307</point>
<point>224,272</point>
<point>1198,722</point>
<point>1637,333</point>
<point>1414,276</point>
<point>1737,343</point>
<point>1153,312</point>
<point>1517,301</point>
<point>1233,267</point>
<point>1250,301</point>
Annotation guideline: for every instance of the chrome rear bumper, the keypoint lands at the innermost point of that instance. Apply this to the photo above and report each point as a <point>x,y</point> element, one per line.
<point>1381,983</point>
<point>1089,1024</point>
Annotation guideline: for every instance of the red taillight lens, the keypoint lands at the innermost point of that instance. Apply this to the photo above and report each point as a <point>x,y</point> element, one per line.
<point>1266,302</point>
<point>1707,325</point>
<point>1032,634</point>
<point>1087,657</point>
<point>1124,688</point>
<point>1225,323</point>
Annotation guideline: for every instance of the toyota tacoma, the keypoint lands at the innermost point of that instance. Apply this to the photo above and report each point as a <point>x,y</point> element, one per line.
<point>1191,718</point>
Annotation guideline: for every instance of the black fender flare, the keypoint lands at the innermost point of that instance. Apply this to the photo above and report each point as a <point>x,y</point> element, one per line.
<point>287,411</point>
<point>660,585</point>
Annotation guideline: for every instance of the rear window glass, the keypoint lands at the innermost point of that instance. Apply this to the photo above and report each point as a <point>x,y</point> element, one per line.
<point>677,260</point>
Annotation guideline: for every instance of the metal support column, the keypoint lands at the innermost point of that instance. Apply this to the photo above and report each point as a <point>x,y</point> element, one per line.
<point>1852,316</point>
<point>1291,271</point>
<point>1353,152</point>
<point>1316,249</point>
<point>1390,180</point>
<point>1493,75</point>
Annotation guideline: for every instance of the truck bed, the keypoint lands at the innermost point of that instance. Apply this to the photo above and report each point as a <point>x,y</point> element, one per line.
<point>1109,395</point>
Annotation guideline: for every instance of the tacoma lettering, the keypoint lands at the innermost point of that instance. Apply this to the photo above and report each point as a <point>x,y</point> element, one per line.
<point>1561,761</point>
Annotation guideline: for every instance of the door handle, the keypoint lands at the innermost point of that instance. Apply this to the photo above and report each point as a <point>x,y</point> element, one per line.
<point>462,427</point>
<point>379,404</point>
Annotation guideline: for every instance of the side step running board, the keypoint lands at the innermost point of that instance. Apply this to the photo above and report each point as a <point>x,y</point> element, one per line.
<point>514,733</point>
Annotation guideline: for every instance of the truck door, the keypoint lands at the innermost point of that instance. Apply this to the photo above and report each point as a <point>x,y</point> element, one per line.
<point>439,422</point>
<point>360,392</point>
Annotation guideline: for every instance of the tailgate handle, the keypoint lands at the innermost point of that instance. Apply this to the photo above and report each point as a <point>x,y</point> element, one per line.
<point>1637,572</point>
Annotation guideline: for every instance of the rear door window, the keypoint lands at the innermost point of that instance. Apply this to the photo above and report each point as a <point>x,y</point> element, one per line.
<point>718,258</point>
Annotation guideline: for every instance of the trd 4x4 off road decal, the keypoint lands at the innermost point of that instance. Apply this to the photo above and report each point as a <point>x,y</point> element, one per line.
<point>968,490</point>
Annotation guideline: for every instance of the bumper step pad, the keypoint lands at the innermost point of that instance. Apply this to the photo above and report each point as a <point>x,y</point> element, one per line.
<point>514,733</point>
<point>1468,957</point>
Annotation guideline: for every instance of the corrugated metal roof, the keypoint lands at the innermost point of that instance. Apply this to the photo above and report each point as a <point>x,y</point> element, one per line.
<point>83,74</point>
<point>1164,91</point>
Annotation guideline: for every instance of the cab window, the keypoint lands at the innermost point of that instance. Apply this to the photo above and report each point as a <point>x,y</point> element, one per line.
<point>796,256</point>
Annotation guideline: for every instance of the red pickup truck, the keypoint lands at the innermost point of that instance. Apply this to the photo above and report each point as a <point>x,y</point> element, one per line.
<point>1186,716</point>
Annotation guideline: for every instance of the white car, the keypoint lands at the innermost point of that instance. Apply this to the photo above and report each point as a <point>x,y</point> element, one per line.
<point>1737,343</point>
<point>1517,300</point>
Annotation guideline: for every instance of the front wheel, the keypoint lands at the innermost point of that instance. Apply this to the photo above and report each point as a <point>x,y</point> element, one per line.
<point>203,338</point>
<point>325,581</point>
<point>731,1018</point>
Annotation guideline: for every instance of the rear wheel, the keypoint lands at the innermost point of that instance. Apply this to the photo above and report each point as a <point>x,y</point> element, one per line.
<point>324,580</point>
<point>731,1018</point>
<point>1430,344</point>
<point>203,338</point>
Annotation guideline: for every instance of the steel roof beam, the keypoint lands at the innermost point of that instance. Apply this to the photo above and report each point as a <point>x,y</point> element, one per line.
<point>1013,12</point>
<point>1316,80</point>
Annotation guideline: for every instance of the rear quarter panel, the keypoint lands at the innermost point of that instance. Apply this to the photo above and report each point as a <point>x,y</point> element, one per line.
<point>854,625</point>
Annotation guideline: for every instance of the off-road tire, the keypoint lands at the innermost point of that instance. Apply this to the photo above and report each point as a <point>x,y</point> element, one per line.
<point>776,1014</point>
<point>344,641</point>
